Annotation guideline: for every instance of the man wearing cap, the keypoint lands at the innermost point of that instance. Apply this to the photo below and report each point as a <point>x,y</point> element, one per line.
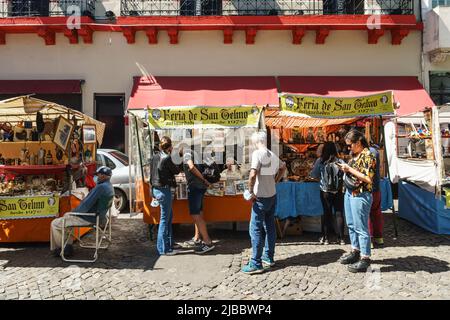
<point>97,201</point>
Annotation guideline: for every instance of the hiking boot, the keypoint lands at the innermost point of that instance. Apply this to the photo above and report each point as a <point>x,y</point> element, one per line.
<point>350,258</point>
<point>267,262</point>
<point>203,248</point>
<point>250,268</point>
<point>360,266</point>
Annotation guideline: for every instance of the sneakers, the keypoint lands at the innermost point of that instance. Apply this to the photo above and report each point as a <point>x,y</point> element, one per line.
<point>378,242</point>
<point>250,268</point>
<point>203,248</point>
<point>267,262</point>
<point>172,253</point>
<point>360,266</point>
<point>324,241</point>
<point>68,251</point>
<point>341,242</point>
<point>192,243</point>
<point>176,246</point>
<point>350,258</point>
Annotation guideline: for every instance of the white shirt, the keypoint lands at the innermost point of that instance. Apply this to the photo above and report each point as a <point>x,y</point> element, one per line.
<point>267,164</point>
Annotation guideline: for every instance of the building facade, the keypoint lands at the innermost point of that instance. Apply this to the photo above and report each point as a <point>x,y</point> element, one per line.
<point>436,52</point>
<point>117,40</point>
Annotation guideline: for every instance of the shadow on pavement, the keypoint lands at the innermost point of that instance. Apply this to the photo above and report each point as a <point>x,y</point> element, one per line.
<point>413,264</point>
<point>315,259</point>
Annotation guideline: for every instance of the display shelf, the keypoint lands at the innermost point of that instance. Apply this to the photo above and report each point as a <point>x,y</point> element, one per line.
<point>33,169</point>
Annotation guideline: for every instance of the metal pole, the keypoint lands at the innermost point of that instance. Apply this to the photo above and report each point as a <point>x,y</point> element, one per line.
<point>389,177</point>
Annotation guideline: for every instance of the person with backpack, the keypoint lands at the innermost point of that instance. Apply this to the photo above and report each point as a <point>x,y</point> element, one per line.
<point>330,176</point>
<point>197,175</point>
<point>162,180</point>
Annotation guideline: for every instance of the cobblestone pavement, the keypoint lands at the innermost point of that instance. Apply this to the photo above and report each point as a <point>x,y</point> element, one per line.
<point>415,266</point>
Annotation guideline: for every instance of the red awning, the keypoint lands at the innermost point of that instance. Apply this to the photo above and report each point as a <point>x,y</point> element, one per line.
<point>407,90</point>
<point>202,91</point>
<point>39,86</point>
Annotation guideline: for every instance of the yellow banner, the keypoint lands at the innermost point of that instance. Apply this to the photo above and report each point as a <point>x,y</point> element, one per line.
<point>28,207</point>
<point>332,107</point>
<point>204,117</point>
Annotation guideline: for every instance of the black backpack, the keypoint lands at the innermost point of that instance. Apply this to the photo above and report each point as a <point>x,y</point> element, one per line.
<point>332,177</point>
<point>210,172</point>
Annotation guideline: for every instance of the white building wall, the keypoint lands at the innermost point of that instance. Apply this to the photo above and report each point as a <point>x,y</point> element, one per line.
<point>109,64</point>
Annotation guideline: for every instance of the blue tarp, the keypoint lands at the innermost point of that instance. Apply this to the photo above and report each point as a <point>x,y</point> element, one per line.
<point>303,199</point>
<point>423,209</point>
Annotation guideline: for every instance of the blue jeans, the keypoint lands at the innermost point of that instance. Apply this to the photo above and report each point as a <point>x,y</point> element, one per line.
<point>262,229</point>
<point>164,241</point>
<point>357,212</point>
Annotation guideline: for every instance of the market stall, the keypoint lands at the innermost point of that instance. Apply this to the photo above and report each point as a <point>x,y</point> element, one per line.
<point>47,163</point>
<point>419,160</point>
<point>211,132</point>
<point>303,123</point>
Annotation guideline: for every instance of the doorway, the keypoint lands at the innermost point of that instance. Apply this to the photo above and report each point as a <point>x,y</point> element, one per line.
<point>109,109</point>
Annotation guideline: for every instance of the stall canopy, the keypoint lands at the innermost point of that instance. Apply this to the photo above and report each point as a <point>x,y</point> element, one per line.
<point>40,86</point>
<point>157,92</point>
<point>16,109</point>
<point>407,90</point>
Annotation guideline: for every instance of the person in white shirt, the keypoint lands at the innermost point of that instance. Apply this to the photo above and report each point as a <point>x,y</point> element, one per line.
<point>266,170</point>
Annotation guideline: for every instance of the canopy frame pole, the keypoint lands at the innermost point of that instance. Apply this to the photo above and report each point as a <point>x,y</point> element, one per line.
<point>389,177</point>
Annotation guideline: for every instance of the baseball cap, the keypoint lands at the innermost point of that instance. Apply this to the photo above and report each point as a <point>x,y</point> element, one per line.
<point>104,170</point>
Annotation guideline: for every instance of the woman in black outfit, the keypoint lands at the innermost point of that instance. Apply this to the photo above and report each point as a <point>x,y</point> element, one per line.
<point>326,170</point>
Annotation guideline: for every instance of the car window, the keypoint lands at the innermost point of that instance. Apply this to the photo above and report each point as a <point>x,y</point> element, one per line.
<point>99,160</point>
<point>109,163</point>
<point>122,157</point>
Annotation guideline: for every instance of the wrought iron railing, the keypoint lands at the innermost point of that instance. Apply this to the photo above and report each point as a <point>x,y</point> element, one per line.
<point>263,7</point>
<point>45,8</point>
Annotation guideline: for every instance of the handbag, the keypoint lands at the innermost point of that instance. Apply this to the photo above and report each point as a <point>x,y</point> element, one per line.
<point>351,182</point>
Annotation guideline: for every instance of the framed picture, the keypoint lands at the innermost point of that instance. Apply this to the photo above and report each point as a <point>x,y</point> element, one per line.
<point>63,133</point>
<point>216,189</point>
<point>240,186</point>
<point>182,191</point>
<point>89,133</point>
<point>230,190</point>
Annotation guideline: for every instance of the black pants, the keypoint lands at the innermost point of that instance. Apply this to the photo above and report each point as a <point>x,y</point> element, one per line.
<point>332,202</point>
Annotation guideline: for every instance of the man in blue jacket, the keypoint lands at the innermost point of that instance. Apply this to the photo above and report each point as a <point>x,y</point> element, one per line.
<point>97,201</point>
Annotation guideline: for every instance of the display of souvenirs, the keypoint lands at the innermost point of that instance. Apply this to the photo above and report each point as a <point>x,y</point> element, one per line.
<point>216,189</point>
<point>181,191</point>
<point>240,186</point>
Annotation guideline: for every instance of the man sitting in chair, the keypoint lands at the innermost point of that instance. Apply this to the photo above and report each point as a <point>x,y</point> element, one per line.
<point>97,201</point>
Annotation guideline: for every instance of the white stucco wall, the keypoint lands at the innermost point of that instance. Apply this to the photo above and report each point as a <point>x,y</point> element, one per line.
<point>109,64</point>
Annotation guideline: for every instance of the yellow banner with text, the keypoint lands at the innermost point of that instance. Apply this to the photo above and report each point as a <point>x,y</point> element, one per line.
<point>204,117</point>
<point>332,107</point>
<point>28,207</point>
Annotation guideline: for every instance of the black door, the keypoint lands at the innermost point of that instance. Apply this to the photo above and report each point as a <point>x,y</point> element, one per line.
<point>109,109</point>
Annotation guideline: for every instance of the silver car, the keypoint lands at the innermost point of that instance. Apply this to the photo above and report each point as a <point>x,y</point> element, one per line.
<point>119,164</point>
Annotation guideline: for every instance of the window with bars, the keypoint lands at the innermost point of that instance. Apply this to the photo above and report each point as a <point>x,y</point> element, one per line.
<point>440,87</point>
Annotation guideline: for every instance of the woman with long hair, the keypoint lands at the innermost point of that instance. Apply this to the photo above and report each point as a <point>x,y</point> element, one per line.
<point>327,172</point>
<point>359,173</point>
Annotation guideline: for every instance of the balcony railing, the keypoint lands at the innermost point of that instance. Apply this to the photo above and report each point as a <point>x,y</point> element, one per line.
<point>263,7</point>
<point>46,8</point>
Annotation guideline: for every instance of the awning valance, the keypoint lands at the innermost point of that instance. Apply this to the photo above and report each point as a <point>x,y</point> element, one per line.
<point>407,90</point>
<point>202,91</point>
